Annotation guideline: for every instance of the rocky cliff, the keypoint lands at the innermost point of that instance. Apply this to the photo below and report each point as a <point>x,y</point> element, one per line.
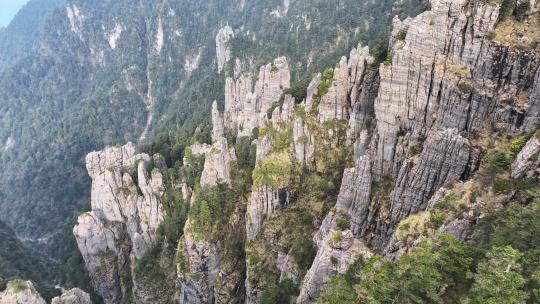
<point>126,211</point>
<point>23,292</point>
<point>352,170</point>
<point>443,81</point>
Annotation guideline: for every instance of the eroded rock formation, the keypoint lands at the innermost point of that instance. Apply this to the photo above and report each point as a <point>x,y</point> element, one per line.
<point>126,211</point>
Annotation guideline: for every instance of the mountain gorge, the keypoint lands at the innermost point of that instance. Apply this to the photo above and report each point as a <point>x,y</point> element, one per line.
<point>348,156</point>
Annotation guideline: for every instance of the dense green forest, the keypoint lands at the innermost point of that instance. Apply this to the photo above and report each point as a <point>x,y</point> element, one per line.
<point>17,261</point>
<point>19,36</point>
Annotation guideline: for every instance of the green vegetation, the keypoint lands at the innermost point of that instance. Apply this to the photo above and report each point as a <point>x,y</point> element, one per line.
<point>16,285</point>
<point>436,220</point>
<point>326,82</point>
<point>518,144</point>
<point>338,236</point>
<point>280,293</point>
<point>388,60</point>
<point>303,251</point>
<point>18,263</point>
<point>343,224</point>
<point>465,86</point>
<point>274,171</point>
<point>402,35</point>
<point>498,278</point>
<point>300,111</point>
<point>522,9</point>
<point>338,292</point>
<point>507,9</point>
<point>500,264</point>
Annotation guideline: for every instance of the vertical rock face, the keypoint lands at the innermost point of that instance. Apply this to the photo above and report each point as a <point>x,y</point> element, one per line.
<point>348,76</point>
<point>337,251</point>
<point>236,98</point>
<point>444,157</point>
<point>273,79</point>
<point>312,89</point>
<point>217,164</point>
<point>423,78</point>
<point>223,53</point>
<point>218,128</point>
<point>304,142</point>
<point>355,193</point>
<point>527,163</point>
<point>124,217</point>
<point>203,259</point>
<point>204,255</point>
<point>22,292</point>
<point>246,107</point>
<point>264,203</point>
<point>73,296</point>
<point>532,118</point>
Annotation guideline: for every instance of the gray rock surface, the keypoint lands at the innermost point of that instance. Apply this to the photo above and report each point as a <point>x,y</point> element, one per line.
<point>217,164</point>
<point>72,296</point>
<point>273,79</point>
<point>527,163</point>
<point>223,52</point>
<point>348,76</point>
<point>203,259</point>
<point>264,203</point>
<point>25,293</point>
<point>334,256</point>
<point>303,141</point>
<point>123,220</point>
<point>218,128</point>
<point>246,108</point>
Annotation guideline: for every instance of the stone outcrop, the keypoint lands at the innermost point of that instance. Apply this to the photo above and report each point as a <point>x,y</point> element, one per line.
<point>447,73</point>
<point>223,52</point>
<point>347,78</point>
<point>217,164</point>
<point>337,251</point>
<point>203,255</point>
<point>264,203</point>
<point>203,259</point>
<point>273,79</point>
<point>218,128</point>
<point>303,141</point>
<point>124,217</point>
<point>238,107</point>
<point>527,163</point>
<point>246,107</point>
<point>21,292</point>
<point>72,296</point>
<point>445,157</point>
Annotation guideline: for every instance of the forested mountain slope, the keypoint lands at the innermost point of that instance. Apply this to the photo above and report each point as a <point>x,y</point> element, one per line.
<point>19,36</point>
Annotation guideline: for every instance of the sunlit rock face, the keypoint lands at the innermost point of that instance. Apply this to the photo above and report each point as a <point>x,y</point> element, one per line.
<point>126,211</point>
